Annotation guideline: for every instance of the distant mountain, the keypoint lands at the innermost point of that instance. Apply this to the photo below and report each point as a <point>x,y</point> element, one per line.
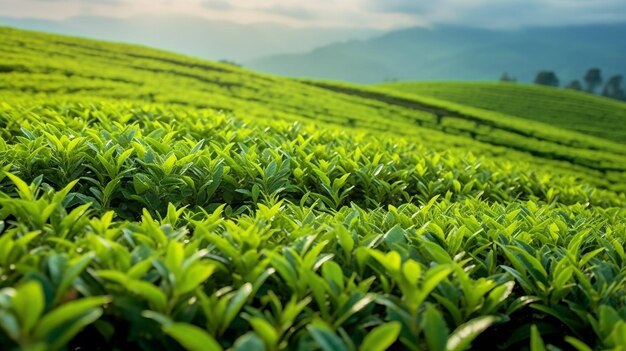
<point>197,36</point>
<point>457,53</point>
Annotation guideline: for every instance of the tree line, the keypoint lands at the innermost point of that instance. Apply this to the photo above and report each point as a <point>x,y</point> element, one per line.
<point>590,83</point>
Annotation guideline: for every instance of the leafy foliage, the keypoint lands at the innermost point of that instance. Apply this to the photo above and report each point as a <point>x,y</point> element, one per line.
<point>283,237</point>
<point>51,70</point>
<point>572,110</point>
<point>164,227</point>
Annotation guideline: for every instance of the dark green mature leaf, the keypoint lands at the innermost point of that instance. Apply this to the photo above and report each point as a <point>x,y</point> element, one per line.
<point>10,325</point>
<point>395,237</point>
<point>75,268</point>
<point>67,312</point>
<point>249,342</point>
<point>72,328</point>
<point>436,329</point>
<point>326,339</point>
<point>236,303</point>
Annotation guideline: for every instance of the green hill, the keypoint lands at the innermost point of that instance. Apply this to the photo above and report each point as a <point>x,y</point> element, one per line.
<point>153,201</point>
<point>52,66</point>
<point>567,109</point>
<point>546,143</point>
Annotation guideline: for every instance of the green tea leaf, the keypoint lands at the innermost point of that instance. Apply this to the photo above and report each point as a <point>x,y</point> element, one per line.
<point>264,330</point>
<point>577,344</point>
<point>462,337</point>
<point>70,330</point>
<point>381,337</point>
<point>249,342</point>
<point>67,312</point>
<point>236,303</point>
<point>436,329</point>
<point>326,339</point>
<point>28,304</point>
<point>191,337</point>
<point>536,343</point>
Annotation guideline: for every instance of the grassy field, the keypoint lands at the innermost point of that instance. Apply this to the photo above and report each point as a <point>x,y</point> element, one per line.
<point>581,112</point>
<point>153,201</point>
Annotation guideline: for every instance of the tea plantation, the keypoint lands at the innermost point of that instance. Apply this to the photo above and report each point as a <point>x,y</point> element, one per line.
<point>568,109</point>
<point>151,201</point>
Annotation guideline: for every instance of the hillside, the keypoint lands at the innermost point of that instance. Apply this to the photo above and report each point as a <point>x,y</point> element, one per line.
<point>459,53</point>
<point>78,68</point>
<point>151,201</point>
<point>572,110</point>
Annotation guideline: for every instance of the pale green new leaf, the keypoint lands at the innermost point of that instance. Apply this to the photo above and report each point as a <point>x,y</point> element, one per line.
<point>191,337</point>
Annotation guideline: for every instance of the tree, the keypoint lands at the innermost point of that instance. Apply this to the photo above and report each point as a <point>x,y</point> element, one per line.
<point>575,85</point>
<point>231,63</point>
<point>548,78</point>
<point>506,78</point>
<point>593,78</point>
<point>613,88</point>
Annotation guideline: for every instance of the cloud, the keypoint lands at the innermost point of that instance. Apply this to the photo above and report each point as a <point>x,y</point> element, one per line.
<point>85,1</point>
<point>293,12</point>
<point>218,5</point>
<point>505,13</point>
<point>402,6</point>
<point>352,13</point>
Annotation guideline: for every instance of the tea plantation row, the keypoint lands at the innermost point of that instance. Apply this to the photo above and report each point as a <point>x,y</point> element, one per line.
<point>153,228</point>
<point>45,66</point>
<point>577,111</point>
<point>133,215</point>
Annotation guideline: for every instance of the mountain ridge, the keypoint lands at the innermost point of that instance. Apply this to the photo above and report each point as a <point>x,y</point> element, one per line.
<point>460,53</point>
<point>209,39</point>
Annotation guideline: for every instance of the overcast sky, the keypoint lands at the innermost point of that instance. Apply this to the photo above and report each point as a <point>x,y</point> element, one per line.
<point>348,13</point>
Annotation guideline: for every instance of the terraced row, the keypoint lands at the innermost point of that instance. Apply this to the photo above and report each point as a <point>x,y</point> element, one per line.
<point>62,69</point>
<point>181,229</point>
<point>576,111</point>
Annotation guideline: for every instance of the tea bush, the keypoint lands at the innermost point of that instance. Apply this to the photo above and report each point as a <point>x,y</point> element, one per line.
<point>585,113</point>
<point>152,228</point>
<point>52,69</point>
<point>135,216</point>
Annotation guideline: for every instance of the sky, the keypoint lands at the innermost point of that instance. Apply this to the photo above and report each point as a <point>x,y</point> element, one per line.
<point>382,14</point>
